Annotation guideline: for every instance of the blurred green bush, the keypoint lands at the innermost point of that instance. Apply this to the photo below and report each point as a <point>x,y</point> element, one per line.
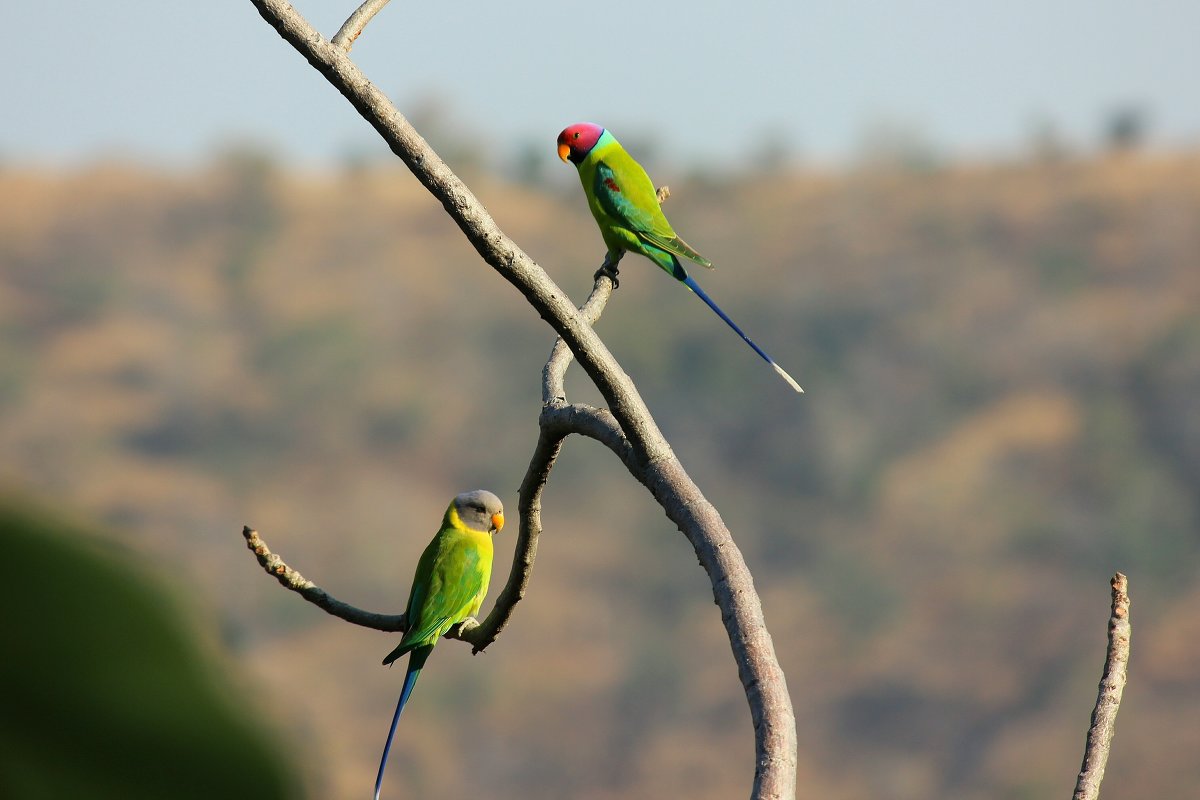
<point>109,688</point>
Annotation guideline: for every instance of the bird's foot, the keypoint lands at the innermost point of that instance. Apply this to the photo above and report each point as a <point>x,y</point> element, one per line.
<point>608,270</point>
<point>463,627</point>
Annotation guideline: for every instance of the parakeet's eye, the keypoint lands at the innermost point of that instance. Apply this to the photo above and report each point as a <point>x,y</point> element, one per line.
<point>576,136</point>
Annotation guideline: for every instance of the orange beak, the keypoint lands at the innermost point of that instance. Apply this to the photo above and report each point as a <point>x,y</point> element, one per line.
<point>498,522</point>
<point>564,151</point>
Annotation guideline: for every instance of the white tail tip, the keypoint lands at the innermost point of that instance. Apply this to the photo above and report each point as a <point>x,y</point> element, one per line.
<point>786,377</point>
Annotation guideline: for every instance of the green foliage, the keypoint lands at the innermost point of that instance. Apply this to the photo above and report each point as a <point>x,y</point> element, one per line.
<point>111,692</point>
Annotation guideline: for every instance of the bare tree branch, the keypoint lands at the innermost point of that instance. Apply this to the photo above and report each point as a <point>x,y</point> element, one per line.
<point>554,375</point>
<point>627,427</point>
<point>555,372</point>
<point>549,445</point>
<point>388,623</point>
<point>558,420</point>
<point>352,28</point>
<point>274,565</point>
<point>477,224</point>
<point>1108,701</point>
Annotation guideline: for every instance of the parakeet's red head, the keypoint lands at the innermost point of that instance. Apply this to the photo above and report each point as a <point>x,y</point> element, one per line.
<point>577,140</point>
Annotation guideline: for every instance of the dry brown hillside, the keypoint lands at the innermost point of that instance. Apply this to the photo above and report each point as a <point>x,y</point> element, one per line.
<point>1002,365</point>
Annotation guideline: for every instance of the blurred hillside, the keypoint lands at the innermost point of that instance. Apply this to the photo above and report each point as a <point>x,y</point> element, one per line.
<point>1001,361</point>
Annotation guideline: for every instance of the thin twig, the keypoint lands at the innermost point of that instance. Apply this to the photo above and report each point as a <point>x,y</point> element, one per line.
<point>274,565</point>
<point>557,421</point>
<point>352,28</point>
<point>290,578</point>
<point>529,505</point>
<point>555,371</point>
<point>1108,701</point>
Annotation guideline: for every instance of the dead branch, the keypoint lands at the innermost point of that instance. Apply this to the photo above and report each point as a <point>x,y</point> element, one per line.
<point>627,427</point>
<point>1108,700</point>
<point>290,578</point>
<point>352,28</point>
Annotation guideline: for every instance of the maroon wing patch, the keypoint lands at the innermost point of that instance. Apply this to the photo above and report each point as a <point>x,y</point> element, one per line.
<point>612,184</point>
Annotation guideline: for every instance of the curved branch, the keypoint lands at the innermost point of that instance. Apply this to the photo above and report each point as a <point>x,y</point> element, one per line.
<point>352,28</point>
<point>555,372</point>
<point>497,249</point>
<point>649,457</point>
<point>557,421</point>
<point>529,506</point>
<point>290,578</point>
<point>1108,700</point>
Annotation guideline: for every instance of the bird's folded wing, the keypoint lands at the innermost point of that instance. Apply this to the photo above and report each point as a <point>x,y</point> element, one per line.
<point>630,201</point>
<point>633,203</point>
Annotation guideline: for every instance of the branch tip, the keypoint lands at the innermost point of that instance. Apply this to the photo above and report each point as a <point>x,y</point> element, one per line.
<point>1108,698</point>
<point>352,28</point>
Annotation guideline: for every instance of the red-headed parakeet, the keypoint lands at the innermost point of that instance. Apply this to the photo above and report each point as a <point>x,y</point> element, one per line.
<point>625,205</point>
<point>448,588</point>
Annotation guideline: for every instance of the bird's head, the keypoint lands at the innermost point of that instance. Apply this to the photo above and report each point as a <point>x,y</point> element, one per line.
<point>480,510</point>
<point>577,140</point>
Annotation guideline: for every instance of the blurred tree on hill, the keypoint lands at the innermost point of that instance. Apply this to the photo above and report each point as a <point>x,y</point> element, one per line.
<point>1125,128</point>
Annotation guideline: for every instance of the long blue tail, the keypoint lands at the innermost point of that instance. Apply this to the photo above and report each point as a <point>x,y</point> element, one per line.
<point>695,287</point>
<point>416,660</point>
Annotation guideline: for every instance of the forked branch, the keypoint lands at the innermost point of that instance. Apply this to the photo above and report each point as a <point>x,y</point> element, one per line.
<point>626,427</point>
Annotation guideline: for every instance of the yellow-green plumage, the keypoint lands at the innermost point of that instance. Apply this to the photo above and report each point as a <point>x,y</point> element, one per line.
<point>451,580</point>
<point>623,200</point>
<point>449,585</point>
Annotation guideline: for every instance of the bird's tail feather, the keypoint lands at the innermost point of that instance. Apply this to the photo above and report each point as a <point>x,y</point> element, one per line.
<point>689,282</point>
<point>416,661</point>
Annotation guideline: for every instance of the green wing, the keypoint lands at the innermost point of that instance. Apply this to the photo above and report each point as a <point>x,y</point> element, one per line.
<point>451,579</point>
<point>625,192</point>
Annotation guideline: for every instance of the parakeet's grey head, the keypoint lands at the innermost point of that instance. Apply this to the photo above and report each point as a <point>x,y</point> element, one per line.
<point>480,510</point>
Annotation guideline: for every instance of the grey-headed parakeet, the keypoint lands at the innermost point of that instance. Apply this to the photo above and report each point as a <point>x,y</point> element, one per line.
<point>448,588</point>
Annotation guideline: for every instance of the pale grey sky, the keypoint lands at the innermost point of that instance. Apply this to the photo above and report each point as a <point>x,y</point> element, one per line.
<point>170,81</point>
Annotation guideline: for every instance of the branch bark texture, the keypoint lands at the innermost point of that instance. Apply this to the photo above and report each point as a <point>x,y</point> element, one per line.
<point>1108,700</point>
<point>291,579</point>
<point>626,427</point>
<point>353,27</point>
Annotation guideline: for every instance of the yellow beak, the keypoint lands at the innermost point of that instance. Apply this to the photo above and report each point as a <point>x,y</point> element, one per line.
<point>564,151</point>
<point>498,522</point>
